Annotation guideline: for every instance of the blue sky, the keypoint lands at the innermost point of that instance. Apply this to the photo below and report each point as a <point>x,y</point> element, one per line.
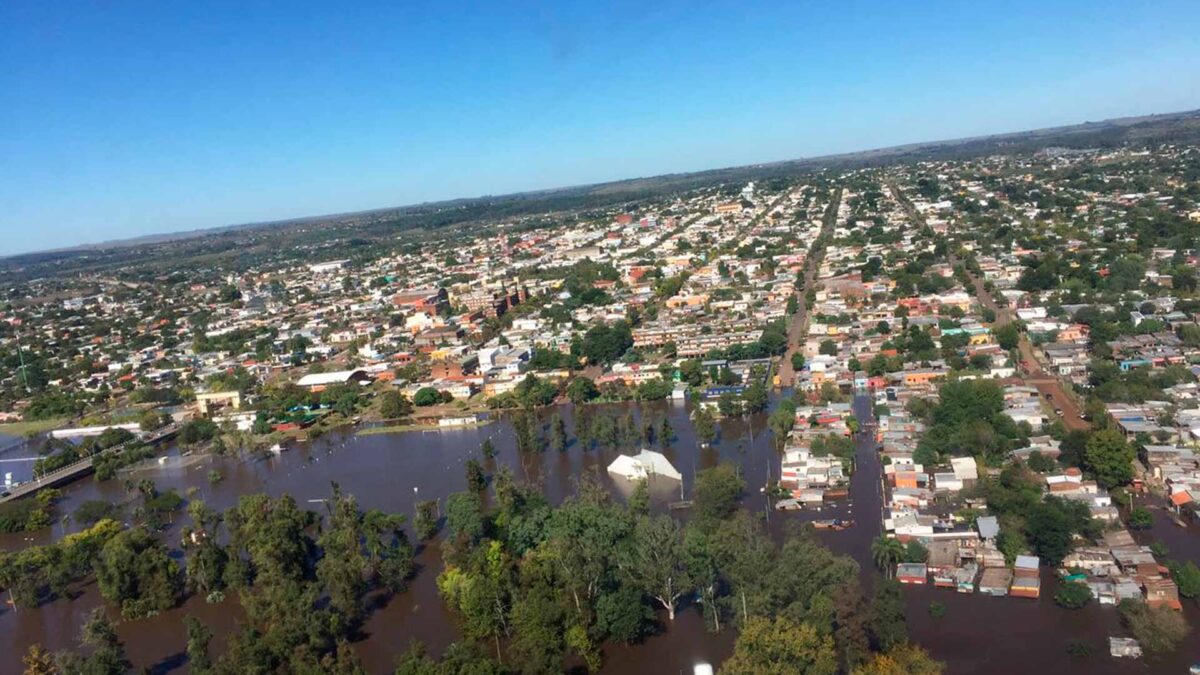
<point>128,118</point>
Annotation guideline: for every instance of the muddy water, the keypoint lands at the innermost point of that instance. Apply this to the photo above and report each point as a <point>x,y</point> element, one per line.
<point>392,472</point>
<point>978,634</point>
<point>997,636</point>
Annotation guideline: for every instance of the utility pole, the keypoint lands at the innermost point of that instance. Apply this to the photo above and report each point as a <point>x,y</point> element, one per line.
<point>21,357</point>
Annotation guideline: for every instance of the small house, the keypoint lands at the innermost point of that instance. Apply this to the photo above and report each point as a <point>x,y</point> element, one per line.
<point>995,581</point>
<point>912,573</point>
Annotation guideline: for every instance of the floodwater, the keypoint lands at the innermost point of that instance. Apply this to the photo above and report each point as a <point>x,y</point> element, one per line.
<point>17,456</point>
<point>391,472</point>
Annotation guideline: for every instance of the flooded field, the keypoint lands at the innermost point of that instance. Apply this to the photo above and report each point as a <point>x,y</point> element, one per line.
<point>977,635</point>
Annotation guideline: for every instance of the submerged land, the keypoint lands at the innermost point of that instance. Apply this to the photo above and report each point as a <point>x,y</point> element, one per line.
<point>894,385</point>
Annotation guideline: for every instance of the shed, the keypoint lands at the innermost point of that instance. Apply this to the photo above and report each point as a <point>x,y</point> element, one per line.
<point>912,573</point>
<point>1124,647</point>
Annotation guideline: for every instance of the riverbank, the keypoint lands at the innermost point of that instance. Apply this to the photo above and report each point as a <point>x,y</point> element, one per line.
<point>31,427</point>
<point>392,472</point>
<point>400,428</point>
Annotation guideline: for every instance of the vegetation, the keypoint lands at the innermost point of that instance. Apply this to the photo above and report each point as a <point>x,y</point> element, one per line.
<point>781,646</point>
<point>1073,595</point>
<point>136,572</point>
<point>967,420</point>
<point>1030,522</point>
<point>1157,629</point>
<point>903,659</point>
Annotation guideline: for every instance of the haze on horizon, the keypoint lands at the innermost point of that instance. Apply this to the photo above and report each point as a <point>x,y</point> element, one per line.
<point>148,118</point>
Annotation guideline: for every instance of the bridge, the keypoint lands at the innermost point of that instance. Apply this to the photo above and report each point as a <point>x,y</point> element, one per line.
<point>81,468</point>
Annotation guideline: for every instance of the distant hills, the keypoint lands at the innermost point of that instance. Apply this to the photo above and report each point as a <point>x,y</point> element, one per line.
<point>1181,127</point>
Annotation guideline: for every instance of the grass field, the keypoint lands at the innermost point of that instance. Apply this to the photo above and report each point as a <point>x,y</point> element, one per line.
<point>31,427</point>
<point>397,428</point>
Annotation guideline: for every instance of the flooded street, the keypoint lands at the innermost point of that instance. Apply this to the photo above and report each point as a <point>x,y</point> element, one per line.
<point>390,472</point>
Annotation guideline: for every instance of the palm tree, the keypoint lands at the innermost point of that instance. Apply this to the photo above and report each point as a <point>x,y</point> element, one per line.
<point>887,552</point>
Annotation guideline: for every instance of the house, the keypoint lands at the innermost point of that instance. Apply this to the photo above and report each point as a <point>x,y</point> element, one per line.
<point>1025,587</point>
<point>645,464</point>
<point>943,557</point>
<point>431,300</point>
<point>964,578</point>
<point>1162,592</point>
<point>912,573</point>
<point>995,581</point>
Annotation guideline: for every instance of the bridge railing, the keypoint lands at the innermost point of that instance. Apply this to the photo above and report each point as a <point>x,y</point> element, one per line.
<point>54,475</point>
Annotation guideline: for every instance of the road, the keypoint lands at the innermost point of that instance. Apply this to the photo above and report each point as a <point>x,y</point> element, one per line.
<point>81,467</point>
<point>1052,389</point>
<point>799,323</point>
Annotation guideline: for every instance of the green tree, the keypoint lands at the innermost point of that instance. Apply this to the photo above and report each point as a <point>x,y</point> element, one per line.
<point>476,479</point>
<point>558,434</point>
<point>426,396</point>
<point>887,552</point>
<point>716,494</point>
<point>150,420</point>
<point>1109,458</point>
<point>754,398</point>
<point>1157,629</point>
<point>93,511</point>
<point>691,372</point>
<point>666,434</point>
<point>887,623</point>
<point>135,571</point>
<point>342,569</point>
<point>603,344</point>
<point>658,562</point>
<point>766,647</point>
<point>729,405</point>
<point>108,654</point>
<point>38,661</point>
<point>915,552</point>
<point>487,448</point>
<point>394,405</point>
<point>1140,518</point>
<point>903,659</point>
<point>1187,578</point>
<point>1049,528</point>
<point>1008,336</point>
<point>705,425</point>
<point>464,515</point>
<point>797,359</point>
<point>1073,595</point>
<point>425,524</point>
<point>198,637</point>
<point>581,390</point>
<point>781,421</point>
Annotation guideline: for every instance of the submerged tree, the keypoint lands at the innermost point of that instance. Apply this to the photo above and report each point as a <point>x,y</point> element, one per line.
<point>135,571</point>
<point>766,647</point>
<point>658,563</point>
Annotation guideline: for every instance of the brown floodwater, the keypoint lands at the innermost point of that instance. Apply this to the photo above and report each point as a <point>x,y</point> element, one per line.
<point>977,635</point>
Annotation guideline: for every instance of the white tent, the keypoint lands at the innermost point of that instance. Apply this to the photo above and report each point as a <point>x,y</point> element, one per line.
<point>645,464</point>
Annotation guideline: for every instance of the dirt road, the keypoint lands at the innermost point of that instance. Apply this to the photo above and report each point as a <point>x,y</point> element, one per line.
<point>799,322</point>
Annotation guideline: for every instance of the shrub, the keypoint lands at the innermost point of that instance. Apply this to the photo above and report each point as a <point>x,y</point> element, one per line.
<point>1073,595</point>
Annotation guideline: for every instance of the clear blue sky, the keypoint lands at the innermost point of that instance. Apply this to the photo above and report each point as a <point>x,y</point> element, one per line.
<point>125,118</point>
